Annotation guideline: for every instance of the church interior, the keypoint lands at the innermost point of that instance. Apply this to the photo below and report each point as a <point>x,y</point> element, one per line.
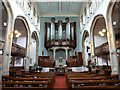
<point>60,44</point>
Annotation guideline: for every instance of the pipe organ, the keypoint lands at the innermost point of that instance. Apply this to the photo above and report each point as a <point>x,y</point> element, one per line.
<point>60,33</point>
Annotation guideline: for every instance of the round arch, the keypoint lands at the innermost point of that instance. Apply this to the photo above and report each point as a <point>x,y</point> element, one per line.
<point>25,36</point>
<point>99,42</point>
<point>92,36</point>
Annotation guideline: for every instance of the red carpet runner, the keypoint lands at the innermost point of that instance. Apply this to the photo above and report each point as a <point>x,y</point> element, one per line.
<point>60,82</point>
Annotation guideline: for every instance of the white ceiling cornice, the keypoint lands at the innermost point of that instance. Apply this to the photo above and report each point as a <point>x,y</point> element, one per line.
<point>60,15</point>
<point>60,0</point>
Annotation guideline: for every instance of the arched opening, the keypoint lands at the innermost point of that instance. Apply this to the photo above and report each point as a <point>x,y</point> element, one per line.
<point>60,53</point>
<point>60,57</point>
<point>19,48</point>
<point>86,48</point>
<point>34,49</point>
<point>100,44</point>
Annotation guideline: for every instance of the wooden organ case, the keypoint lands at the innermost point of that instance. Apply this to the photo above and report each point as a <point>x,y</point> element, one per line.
<point>60,36</point>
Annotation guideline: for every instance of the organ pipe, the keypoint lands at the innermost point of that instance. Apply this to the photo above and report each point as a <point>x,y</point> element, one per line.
<point>72,31</point>
<point>67,29</point>
<point>60,29</point>
<point>52,28</point>
<point>48,31</point>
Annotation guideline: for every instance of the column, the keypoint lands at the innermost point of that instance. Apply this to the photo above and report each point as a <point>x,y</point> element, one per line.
<point>26,63</point>
<point>54,53</point>
<point>66,53</point>
<point>113,54</point>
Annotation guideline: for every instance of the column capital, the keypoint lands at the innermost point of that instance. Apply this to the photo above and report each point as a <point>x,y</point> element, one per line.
<point>66,48</point>
<point>53,48</point>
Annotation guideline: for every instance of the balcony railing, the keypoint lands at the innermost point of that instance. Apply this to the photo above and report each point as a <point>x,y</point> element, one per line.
<point>18,50</point>
<point>102,49</point>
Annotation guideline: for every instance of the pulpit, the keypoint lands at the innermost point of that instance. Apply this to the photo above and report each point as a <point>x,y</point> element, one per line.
<point>60,70</point>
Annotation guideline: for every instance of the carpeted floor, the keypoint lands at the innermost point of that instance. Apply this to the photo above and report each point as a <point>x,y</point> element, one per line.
<point>60,82</point>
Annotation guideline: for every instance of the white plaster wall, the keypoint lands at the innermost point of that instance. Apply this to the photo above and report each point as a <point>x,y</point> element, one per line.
<point>21,41</point>
<point>45,69</point>
<point>79,69</point>
<point>86,58</point>
<point>21,12</point>
<point>101,62</point>
<point>99,40</point>
<point>102,8</point>
<point>33,52</point>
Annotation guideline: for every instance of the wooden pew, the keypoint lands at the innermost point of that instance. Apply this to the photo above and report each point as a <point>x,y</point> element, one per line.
<point>7,78</point>
<point>24,88</point>
<point>82,79</point>
<point>81,76</point>
<point>31,79</point>
<point>86,76</point>
<point>42,74</point>
<point>98,88</point>
<point>34,76</point>
<point>43,84</point>
<point>79,83</point>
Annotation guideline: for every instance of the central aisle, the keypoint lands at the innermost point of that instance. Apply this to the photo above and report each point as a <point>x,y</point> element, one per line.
<point>60,82</point>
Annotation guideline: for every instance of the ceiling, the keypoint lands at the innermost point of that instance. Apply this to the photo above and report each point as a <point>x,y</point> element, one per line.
<point>48,9</point>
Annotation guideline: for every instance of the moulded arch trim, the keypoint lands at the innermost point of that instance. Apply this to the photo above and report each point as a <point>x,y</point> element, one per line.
<point>60,49</point>
<point>37,44</point>
<point>93,25</point>
<point>36,35</point>
<point>83,46</point>
<point>84,36</point>
<point>26,26</point>
<point>8,8</point>
<point>10,16</point>
<point>25,22</point>
<point>92,34</point>
<point>94,21</point>
<point>109,10</point>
